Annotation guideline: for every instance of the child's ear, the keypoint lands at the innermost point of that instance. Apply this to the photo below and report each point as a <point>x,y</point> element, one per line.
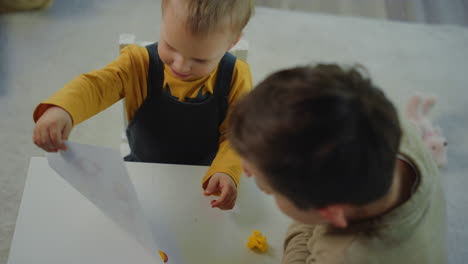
<point>245,169</point>
<point>335,215</point>
<point>236,40</point>
<point>247,173</point>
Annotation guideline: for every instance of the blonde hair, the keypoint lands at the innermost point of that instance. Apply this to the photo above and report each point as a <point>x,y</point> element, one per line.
<point>205,16</point>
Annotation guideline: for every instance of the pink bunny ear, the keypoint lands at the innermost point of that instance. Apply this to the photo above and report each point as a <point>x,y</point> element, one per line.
<point>427,104</point>
<point>412,108</point>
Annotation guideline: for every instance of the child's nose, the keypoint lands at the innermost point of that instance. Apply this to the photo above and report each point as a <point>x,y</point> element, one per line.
<point>181,64</point>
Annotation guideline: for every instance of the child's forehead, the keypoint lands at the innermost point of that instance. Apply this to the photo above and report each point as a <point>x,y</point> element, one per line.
<point>198,48</point>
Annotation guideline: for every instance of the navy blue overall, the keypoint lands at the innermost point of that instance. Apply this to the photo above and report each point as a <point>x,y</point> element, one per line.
<point>167,130</point>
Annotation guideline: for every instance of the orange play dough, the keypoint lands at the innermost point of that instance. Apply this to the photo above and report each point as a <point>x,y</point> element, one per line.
<point>163,256</point>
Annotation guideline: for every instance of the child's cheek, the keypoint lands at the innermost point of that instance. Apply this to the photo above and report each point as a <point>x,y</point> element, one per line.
<point>165,56</point>
<point>283,206</point>
<point>207,69</point>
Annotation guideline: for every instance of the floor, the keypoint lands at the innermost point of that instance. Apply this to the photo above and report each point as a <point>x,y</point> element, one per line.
<point>41,51</point>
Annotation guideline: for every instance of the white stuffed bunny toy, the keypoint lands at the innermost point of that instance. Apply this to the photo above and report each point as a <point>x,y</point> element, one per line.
<point>417,111</point>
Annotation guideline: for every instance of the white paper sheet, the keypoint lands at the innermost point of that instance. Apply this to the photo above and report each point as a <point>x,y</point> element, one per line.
<point>101,176</point>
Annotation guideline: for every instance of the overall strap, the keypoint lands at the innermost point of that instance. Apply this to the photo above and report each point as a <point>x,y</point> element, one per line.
<point>155,70</point>
<point>223,83</point>
<point>224,76</point>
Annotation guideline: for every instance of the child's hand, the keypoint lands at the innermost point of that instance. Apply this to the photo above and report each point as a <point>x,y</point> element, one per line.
<point>52,128</point>
<point>225,185</point>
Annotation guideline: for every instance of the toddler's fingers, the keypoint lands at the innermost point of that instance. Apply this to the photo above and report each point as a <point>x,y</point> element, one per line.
<point>230,204</point>
<point>35,137</point>
<point>55,137</point>
<point>62,147</point>
<point>65,133</point>
<point>222,199</point>
<point>231,199</point>
<point>44,139</point>
<point>212,186</point>
<point>227,206</point>
<point>47,143</point>
<point>38,135</point>
<point>51,147</point>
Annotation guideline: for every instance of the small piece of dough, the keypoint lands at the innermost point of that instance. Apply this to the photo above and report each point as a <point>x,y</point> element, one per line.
<point>163,256</point>
<point>257,242</point>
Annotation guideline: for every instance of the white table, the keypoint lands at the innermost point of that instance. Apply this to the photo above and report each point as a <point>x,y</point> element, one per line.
<point>56,224</point>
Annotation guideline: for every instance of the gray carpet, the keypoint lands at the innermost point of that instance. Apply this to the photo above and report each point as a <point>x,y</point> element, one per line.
<point>42,51</point>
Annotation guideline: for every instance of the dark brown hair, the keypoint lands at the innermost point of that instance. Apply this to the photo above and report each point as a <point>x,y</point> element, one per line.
<point>320,135</point>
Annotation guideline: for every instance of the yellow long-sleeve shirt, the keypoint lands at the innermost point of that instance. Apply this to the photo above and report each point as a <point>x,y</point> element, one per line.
<point>126,77</point>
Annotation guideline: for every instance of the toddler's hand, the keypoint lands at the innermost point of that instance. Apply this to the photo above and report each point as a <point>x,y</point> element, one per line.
<point>225,185</point>
<point>52,128</point>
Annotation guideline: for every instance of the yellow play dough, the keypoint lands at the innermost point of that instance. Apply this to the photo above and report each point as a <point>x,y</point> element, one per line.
<point>257,242</point>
